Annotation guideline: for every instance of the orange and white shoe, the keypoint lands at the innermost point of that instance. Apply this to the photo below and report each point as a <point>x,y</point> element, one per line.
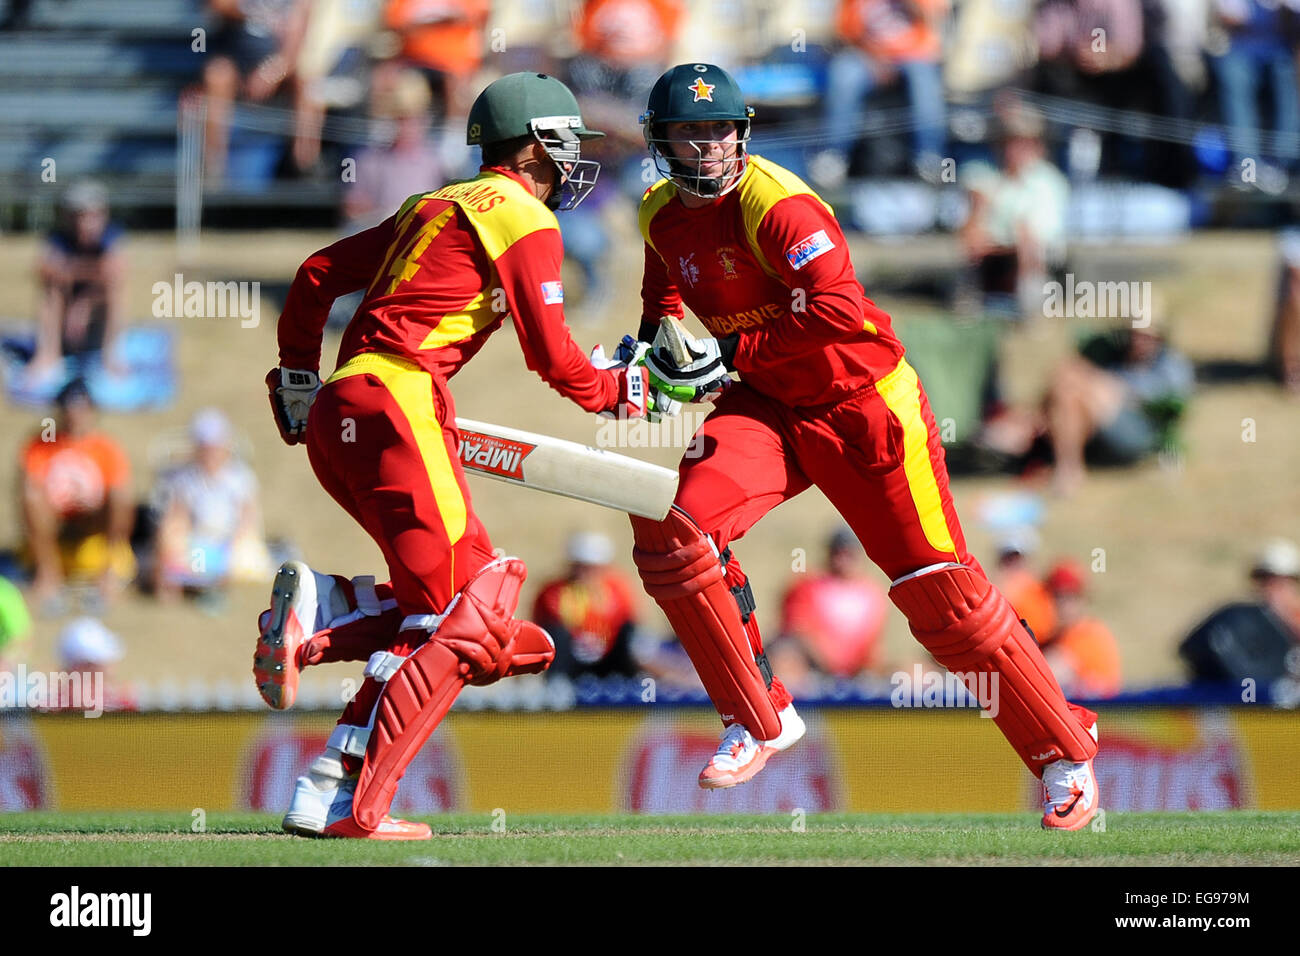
<point>740,756</point>
<point>302,601</point>
<point>1070,797</point>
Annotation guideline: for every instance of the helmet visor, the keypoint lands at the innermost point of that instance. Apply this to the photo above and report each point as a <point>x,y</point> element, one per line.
<point>577,175</point>
<point>696,159</point>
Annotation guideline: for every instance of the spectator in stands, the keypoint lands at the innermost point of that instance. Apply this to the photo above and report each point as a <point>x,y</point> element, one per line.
<point>832,622</point>
<point>991,45</point>
<point>253,53</point>
<point>330,69</point>
<point>405,164</point>
<point>209,527</point>
<point>885,41</point>
<point>1017,580</point>
<point>1090,52</point>
<point>444,40</point>
<point>82,274</point>
<point>1257,639</point>
<point>87,647</point>
<point>1081,651</point>
<point>590,613</point>
<point>1015,232</point>
<point>623,46</point>
<point>1260,44</point>
<point>1118,401</point>
<point>1275,574</point>
<point>15,624</point>
<point>1284,342</point>
<point>75,489</point>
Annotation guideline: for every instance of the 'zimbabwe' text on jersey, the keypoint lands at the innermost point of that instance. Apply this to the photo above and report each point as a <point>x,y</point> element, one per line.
<point>770,262</point>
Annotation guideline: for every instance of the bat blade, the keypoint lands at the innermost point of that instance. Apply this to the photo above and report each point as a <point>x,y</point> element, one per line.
<point>561,467</point>
<point>672,335</point>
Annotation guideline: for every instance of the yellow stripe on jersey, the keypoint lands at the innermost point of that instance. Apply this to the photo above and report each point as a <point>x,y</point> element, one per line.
<point>902,394</point>
<point>412,390</point>
<point>405,266</point>
<point>500,209</point>
<point>477,315</point>
<point>655,198</point>
<point>762,186</point>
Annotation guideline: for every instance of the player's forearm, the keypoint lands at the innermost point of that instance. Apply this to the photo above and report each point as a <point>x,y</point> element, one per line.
<point>529,273</point>
<point>568,372</point>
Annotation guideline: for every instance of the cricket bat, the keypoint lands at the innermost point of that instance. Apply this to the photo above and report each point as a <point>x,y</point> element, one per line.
<point>672,335</point>
<point>567,468</point>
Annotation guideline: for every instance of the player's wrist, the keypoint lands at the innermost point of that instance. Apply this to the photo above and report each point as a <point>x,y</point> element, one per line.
<point>727,347</point>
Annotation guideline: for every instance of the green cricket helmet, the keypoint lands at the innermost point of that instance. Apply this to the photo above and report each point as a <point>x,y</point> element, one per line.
<point>537,105</point>
<point>697,92</point>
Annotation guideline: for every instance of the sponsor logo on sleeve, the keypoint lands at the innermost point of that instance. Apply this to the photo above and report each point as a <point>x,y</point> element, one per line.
<point>553,292</point>
<point>809,248</point>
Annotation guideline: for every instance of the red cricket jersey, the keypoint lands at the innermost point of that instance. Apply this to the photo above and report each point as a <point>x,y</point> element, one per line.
<point>440,277</point>
<point>768,261</point>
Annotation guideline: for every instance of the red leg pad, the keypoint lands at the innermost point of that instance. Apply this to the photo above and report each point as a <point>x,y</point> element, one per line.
<point>478,642</point>
<point>411,705</point>
<point>483,633</point>
<point>683,573</point>
<point>970,628</point>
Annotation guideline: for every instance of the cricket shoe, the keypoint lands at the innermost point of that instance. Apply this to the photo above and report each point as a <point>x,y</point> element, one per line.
<point>322,807</point>
<point>1070,797</point>
<point>303,602</point>
<point>740,755</point>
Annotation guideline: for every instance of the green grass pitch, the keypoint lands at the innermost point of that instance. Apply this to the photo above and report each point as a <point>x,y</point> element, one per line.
<point>247,839</point>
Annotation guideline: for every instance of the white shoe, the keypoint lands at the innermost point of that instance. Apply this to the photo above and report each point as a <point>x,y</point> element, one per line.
<point>322,806</point>
<point>1070,797</point>
<point>322,796</point>
<point>740,755</point>
<point>792,730</point>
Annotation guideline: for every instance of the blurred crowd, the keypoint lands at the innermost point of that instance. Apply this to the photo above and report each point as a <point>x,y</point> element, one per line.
<point>913,80</point>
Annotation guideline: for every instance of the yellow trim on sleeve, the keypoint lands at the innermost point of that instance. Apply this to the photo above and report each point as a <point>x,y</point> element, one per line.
<point>656,197</point>
<point>901,391</point>
<point>762,186</point>
<point>412,390</point>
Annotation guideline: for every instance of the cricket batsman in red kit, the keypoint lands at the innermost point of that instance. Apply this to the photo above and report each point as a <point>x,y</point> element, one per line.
<point>440,277</point>
<point>825,397</point>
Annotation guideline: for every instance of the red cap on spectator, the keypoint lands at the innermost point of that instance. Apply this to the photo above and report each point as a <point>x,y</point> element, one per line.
<point>1066,577</point>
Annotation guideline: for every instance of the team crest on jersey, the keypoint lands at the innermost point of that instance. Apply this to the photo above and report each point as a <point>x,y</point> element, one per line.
<point>690,271</point>
<point>727,259</point>
<point>702,90</point>
<point>553,293</point>
<point>809,248</point>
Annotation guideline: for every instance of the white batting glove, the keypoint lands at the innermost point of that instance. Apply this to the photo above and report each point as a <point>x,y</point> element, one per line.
<point>292,390</point>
